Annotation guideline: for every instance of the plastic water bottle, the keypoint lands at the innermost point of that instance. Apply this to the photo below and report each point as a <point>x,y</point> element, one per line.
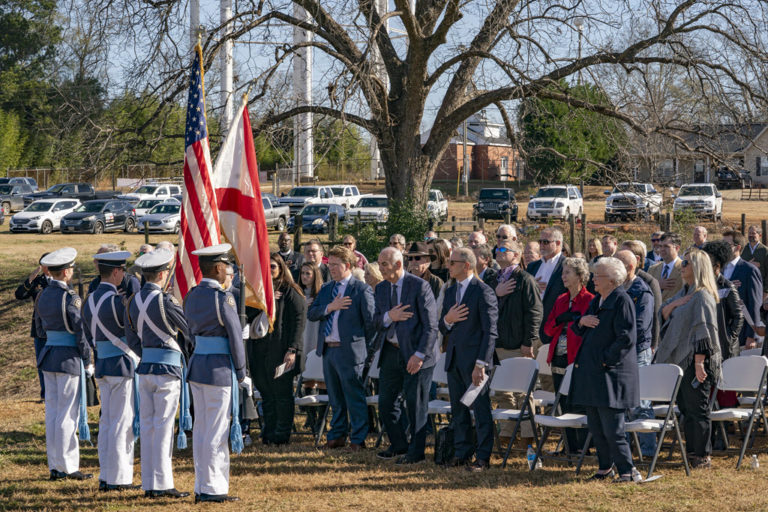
<point>530,455</point>
<point>755,462</point>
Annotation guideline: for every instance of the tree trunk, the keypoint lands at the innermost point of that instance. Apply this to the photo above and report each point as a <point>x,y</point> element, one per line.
<point>408,175</point>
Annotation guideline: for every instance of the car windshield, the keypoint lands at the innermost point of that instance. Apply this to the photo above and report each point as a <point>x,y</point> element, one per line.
<point>315,209</point>
<point>6,189</point>
<point>146,189</point>
<point>165,208</point>
<point>38,207</point>
<point>303,192</point>
<point>55,188</point>
<point>695,191</point>
<point>3,181</point>
<point>373,202</point>
<point>338,191</point>
<point>147,203</point>
<point>94,207</point>
<point>433,195</point>
<point>552,192</point>
<point>629,188</point>
<point>494,194</point>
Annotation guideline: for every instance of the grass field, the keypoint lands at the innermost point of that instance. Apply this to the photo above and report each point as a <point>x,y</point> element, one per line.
<point>298,477</point>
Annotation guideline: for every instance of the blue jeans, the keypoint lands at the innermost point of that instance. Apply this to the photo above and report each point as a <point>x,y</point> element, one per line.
<point>645,411</point>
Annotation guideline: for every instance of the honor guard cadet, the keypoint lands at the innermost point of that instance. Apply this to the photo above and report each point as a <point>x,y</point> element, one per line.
<point>31,286</point>
<point>116,361</point>
<point>216,371</point>
<point>64,361</point>
<point>156,319</point>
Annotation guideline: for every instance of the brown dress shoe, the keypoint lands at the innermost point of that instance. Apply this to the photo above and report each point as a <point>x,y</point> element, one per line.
<point>356,447</point>
<point>336,443</point>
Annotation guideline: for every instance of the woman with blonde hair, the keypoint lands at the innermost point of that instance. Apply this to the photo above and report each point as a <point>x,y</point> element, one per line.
<point>372,274</point>
<point>594,250</point>
<point>689,339</point>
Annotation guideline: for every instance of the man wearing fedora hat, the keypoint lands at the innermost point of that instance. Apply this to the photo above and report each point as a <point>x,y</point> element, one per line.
<point>419,261</point>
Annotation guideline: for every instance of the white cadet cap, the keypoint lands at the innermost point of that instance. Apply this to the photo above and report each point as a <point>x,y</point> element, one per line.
<point>112,259</point>
<point>214,253</point>
<point>155,261</point>
<point>59,259</point>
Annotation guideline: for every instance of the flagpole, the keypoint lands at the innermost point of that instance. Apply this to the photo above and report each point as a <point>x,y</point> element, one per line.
<point>243,320</point>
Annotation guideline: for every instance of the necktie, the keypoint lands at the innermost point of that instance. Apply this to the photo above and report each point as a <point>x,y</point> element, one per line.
<point>329,321</point>
<point>393,302</point>
<point>458,293</point>
<point>665,273</point>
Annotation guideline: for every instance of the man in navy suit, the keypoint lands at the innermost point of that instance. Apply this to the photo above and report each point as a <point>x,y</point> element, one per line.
<point>548,272</point>
<point>344,311</point>
<point>406,313</point>
<point>747,279</point>
<point>468,320</point>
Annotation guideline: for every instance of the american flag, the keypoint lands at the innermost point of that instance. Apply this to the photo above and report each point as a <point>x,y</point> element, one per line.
<point>199,211</point>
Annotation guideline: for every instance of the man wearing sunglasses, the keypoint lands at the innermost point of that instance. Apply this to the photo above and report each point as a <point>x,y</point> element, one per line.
<point>654,255</point>
<point>469,320</point>
<point>548,272</point>
<point>419,260</point>
<point>748,281</point>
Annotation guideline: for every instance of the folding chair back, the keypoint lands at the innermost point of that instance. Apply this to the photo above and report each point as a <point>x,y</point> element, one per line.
<point>565,385</point>
<point>658,382</point>
<point>373,371</point>
<point>751,352</point>
<point>515,375</point>
<point>313,368</point>
<point>439,375</point>
<point>541,358</point>
<point>743,374</point>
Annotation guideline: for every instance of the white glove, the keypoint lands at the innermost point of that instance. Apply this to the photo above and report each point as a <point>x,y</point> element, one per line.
<point>247,385</point>
<point>246,331</point>
<point>89,370</point>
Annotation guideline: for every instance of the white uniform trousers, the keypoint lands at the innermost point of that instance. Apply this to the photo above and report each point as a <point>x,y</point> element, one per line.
<point>62,409</point>
<point>210,437</point>
<point>158,401</point>
<point>116,430</point>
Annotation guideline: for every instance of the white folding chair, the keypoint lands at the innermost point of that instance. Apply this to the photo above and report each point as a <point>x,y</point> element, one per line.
<point>659,383</point>
<point>439,407</point>
<point>751,352</point>
<point>515,375</point>
<point>373,400</point>
<point>541,397</point>
<point>744,374</point>
<point>561,421</point>
<point>313,370</point>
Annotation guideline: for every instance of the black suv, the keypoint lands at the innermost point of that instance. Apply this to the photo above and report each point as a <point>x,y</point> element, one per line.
<point>495,203</point>
<point>100,215</point>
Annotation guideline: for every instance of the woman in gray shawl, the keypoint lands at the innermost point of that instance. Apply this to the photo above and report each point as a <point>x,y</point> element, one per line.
<point>690,340</point>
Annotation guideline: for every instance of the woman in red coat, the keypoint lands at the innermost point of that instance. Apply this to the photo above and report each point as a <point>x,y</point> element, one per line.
<point>568,307</point>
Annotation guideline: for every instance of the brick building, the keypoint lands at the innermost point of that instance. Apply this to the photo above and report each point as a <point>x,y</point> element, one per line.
<point>489,152</point>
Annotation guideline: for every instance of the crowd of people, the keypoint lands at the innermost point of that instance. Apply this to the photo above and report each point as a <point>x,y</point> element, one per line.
<point>468,306</point>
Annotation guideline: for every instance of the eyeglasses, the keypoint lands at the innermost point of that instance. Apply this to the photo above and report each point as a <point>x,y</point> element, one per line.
<point>654,240</point>
<point>414,258</point>
<point>502,237</point>
<point>348,243</point>
<point>546,242</point>
<point>685,263</point>
<point>503,250</point>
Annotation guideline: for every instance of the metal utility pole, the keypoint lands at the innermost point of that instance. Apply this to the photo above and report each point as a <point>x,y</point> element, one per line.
<point>381,73</point>
<point>194,22</point>
<point>302,81</point>
<point>225,13</point>
<point>465,167</point>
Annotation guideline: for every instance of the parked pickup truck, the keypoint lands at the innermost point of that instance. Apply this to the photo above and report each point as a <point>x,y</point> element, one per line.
<point>437,205</point>
<point>703,199</point>
<point>12,196</point>
<point>346,195</point>
<point>636,201</point>
<point>277,215</point>
<point>495,203</point>
<point>80,191</point>
<point>151,191</point>
<point>369,209</point>
<point>298,197</point>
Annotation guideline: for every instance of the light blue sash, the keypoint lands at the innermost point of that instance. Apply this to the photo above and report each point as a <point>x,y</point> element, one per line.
<point>67,339</point>
<point>219,345</point>
<point>105,350</point>
<point>173,358</point>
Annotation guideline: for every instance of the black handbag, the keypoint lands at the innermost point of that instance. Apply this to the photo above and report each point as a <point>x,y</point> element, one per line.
<point>444,449</point>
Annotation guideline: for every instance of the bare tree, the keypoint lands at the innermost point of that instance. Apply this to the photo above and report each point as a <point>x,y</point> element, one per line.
<point>458,57</point>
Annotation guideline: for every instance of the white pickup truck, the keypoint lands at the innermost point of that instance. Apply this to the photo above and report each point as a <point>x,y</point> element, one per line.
<point>151,191</point>
<point>637,201</point>
<point>437,205</point>
<point>298,197</point>
<point>346,195</point>
<point>703,199</point>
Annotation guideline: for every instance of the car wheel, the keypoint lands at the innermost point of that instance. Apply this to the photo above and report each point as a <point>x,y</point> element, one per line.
<point>177,228</point>
<point>280,226</point>
<point>46,228</point>
<point>98,228</point>
<point>6,208</point>
<point>130,225</point>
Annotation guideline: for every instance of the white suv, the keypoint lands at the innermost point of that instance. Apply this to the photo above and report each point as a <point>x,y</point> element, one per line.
<point>555,201</point>
<point>702,198</point>
<point>43,215</point>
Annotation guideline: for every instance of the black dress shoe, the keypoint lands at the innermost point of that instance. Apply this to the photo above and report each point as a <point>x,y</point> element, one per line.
<point>214,498</point>
<point>456,462</point>
<point>406,460</point>
<point>168,493</point>
<point>102,485</point>
<point>389,453</point>
<point>57,475</point>
<point>120,487</point>
<point>77,475</point>
<point>478,466</point>
<point>603,476</point>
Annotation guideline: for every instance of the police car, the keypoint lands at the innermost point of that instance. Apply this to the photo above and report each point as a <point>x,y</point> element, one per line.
<point>99,216</point>
<point>42,216</point>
